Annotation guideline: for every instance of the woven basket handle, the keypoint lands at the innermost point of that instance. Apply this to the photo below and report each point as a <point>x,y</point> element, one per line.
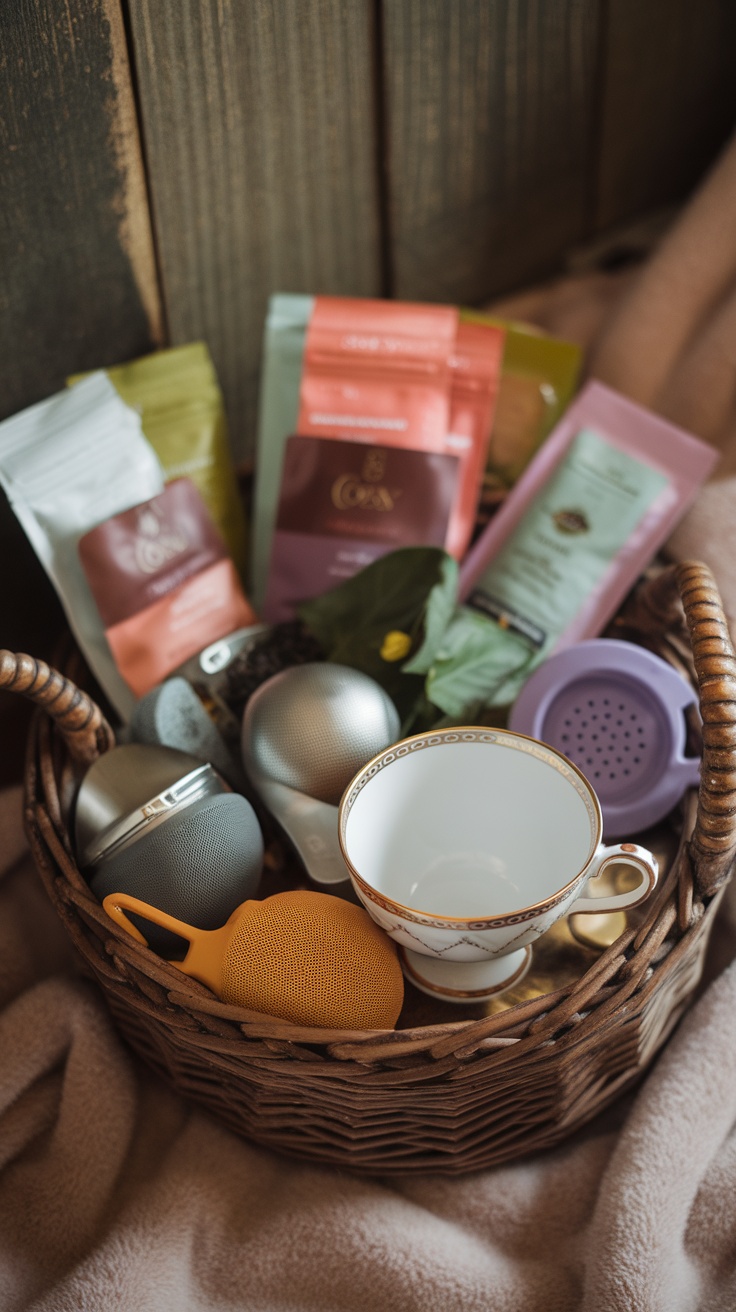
<point>79,719</point>
<point>657,606</point>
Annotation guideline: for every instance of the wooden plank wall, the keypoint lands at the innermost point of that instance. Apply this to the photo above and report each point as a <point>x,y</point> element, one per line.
<point>490,141</point>
<point>668,84</point>
<point>78,287</point>
<point>414,148</point>
<point>78,282</point>
<point>260,130</point>
<point>165,167</point>
<point>423,149</point>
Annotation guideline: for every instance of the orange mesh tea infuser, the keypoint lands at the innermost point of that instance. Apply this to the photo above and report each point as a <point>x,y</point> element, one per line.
<point>305,957</point>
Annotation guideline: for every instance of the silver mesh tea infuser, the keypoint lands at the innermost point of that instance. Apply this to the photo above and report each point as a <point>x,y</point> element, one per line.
<point>306,733</point>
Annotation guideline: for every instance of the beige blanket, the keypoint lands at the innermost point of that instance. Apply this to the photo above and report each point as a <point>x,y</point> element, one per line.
<point>115,1195</point>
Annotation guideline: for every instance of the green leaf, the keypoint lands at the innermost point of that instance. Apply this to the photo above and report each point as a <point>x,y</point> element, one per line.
<point>438,612</point>
<point>406,591</point>
<point>478,664</point>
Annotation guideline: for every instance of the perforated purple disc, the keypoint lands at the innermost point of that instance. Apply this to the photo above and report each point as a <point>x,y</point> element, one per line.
<point>616,711</point>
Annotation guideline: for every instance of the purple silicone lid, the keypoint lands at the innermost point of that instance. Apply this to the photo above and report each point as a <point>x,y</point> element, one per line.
<point>616,711</point>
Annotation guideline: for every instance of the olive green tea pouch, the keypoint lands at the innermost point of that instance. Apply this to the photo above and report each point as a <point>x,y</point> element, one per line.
<point>178,398</point>
<point>539,376</point>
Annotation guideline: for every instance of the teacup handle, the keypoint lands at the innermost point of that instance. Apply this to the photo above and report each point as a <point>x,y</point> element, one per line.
<point>622,853</point>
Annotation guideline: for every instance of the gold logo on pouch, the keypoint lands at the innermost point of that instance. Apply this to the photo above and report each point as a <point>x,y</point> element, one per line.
<point>571,521</point>
<point>367,491</point>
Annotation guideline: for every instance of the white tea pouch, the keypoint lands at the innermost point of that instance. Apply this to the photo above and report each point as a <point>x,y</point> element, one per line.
<point>67,464</point>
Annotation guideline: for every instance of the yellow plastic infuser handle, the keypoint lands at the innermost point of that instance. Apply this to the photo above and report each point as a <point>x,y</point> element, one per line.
<point>207,947</point>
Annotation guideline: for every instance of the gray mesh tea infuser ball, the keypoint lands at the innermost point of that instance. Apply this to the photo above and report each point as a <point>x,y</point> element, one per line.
<point>160,825</point>
<point>306,732</point>
<point>617,712</point>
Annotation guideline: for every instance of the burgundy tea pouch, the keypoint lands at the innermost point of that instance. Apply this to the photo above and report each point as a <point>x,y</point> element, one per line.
<point>164,584</point>
<point>344,504</point>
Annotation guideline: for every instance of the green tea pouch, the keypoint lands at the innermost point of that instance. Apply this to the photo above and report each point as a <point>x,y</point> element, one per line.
<point>539,376</point>
<point>178,398</point>
<point>278,407</point>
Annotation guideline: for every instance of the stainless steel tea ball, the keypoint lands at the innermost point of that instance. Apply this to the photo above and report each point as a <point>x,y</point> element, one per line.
<point>162,826</point>
<point>306,732</point>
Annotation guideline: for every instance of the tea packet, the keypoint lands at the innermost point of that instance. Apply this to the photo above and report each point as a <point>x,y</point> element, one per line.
<point>178,398</point>
<point>400,374</point>
<point>594,506</point>
<point>284,336</point>
<point>66,463</point>
<point>377,369</point>
<point>475,383</point>
<point>345,504</point>
<point>539,377</point>
<point>164,584</point>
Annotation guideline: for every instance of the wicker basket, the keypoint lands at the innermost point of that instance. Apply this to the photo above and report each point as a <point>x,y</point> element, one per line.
<point>451,1097</point>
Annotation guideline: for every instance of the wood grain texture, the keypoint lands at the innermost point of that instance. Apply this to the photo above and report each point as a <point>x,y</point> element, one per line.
<point>77,275</point>
<point>78,287</point>
<point>668,85</point>
<point>259,121</point>
<point>490,131</point>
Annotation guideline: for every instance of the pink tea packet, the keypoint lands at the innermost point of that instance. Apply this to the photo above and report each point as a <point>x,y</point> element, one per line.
<point>164,584</point>
<point>553,566</point>
<point>593,507</point>
<point>344,504</point>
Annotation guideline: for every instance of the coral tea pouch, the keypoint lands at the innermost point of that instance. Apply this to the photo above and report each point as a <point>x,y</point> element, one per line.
<point>409,376</point>
<point>164,584</point>
<point>474,388</point>
<point>378,371</point>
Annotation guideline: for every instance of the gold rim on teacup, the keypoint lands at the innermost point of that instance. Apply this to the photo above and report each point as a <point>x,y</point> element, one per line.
<point>470,733</point>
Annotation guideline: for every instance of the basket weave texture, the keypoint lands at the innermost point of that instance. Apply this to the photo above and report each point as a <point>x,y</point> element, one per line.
<point>448,1098</point>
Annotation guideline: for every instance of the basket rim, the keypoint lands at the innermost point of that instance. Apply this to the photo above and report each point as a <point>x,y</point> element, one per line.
<point>685,885</point>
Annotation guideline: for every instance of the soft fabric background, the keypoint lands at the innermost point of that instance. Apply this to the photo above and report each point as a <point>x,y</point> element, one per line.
<point>115,1195</point>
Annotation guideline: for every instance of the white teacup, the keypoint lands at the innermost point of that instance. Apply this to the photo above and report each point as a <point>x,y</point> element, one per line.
<point>467,844</point>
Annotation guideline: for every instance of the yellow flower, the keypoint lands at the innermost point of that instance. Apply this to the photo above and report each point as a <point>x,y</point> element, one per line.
<point>395,646</point>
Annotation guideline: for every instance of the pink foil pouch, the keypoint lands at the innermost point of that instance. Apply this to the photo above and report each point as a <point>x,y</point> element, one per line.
<point>515,541</point>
